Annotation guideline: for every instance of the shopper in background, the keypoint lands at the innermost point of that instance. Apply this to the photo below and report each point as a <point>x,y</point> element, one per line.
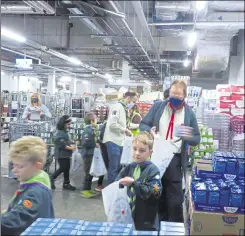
<point>33,198</point>
<point>134,120</point>
<point>36,104</point>
<point>143,182</point>
<point>63,152</point>
<point>89,142</point>
<point>163,117</point>
<point>166,94</point>
<point>115,131</point>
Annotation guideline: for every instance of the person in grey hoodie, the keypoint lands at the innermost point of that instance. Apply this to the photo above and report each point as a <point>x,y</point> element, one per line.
<point>63,152</point>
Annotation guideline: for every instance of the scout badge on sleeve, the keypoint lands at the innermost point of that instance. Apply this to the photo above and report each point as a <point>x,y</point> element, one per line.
<point>27,204</point>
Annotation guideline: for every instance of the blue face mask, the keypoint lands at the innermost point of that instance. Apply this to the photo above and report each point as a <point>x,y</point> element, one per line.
<point>130,105</point>
<point>176,102</point>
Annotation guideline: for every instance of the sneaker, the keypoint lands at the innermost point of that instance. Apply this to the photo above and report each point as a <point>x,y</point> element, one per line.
<point>99,188</point>
<point>69,187</point>
<point>88,194</point>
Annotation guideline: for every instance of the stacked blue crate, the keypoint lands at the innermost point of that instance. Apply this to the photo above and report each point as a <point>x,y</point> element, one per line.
<point>171,228</point>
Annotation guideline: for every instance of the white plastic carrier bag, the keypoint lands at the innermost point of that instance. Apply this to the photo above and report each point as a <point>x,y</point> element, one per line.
<point>126,157</point>
<point>116,204</point>
<point>76,160</point>
<point>98,166</point>
<point>163,152</point>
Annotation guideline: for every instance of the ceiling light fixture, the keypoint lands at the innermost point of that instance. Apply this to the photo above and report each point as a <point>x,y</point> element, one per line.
<point>192,38</point>
<point>12,35</point>
<point>65,79</point>
<point>185,62</point>
<point>200,5</point>
<point>74,61</point>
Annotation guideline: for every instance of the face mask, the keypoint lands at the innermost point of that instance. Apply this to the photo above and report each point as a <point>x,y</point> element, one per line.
<point>176,102</point>
<point>130,105</point>
<point>34,100</point>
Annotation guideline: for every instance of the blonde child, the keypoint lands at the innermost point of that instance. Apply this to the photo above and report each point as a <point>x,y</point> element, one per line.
<point>143,182</point>
<point>33,198</point>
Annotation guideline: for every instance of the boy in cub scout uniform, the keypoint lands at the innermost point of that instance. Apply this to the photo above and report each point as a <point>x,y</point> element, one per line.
<point>33,199</point>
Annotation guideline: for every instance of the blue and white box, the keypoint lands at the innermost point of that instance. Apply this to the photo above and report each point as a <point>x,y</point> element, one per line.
<point>63,232</point>
<point>145,232</point>
<point>67,221</point>
<point>92,228</point>
<point>68,226</point>
<point>37,231</point>
<point>89,233</point>
<point>118,230</point>
<point>170,233</point>
<point>51,220</point>
<point>95,224</point>
<point>111,224</point>
<point>43,224</point>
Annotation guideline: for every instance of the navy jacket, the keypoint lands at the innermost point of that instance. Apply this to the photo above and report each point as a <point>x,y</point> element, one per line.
<point>88,142</point>
<point>33,203</point>
<point>153,119</point>
<point>148,189</point>
<point>62,140</point>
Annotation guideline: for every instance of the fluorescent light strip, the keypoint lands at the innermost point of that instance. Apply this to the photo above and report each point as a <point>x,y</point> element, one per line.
<point>12,35</point>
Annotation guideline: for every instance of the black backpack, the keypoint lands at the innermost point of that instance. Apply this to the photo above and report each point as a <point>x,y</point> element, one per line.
<point>102,132</point>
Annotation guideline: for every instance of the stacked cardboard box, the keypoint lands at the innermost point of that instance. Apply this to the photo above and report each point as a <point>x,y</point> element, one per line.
<point>143,108</point>
<point>230,99</point>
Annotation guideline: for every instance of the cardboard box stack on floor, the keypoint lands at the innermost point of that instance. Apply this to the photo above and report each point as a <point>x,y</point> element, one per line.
<point>216,200</point>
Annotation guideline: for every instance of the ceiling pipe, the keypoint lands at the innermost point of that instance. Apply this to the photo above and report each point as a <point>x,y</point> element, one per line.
<point>130,31</point>
<point>119,14</point>
<point>21,54</point>
<point>174,6</point>
<point>18,9</point>
<point>40,6</point>
<point>201,24</point>
<point>141,16</point>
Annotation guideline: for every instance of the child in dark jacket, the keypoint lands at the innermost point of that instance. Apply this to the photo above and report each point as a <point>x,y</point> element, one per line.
<point>143,182</point>
<point>33,198</point>
<point>89,142</point>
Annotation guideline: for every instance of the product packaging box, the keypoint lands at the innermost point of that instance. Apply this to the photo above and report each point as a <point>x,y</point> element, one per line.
<point>51,220</point>
<point>68,226</point>
<point>226,104</point>
<point>237,88</point>
<point>170,233</point>
<point>223,96</point>
<point>63,232</point>
<point>224,110</point>
<point>222,88</point>
<point>207,223</point>
<point>237,111</point>
<point>92,228</point>
<point>89,233</point>
<point>147,233</point>
<point>43,224</point>
<point>95,224</point>
<point>37,231</point>
<point>118,230</point>
<point>119,225</point>
<point>237,96</point>
<point>68,221</point>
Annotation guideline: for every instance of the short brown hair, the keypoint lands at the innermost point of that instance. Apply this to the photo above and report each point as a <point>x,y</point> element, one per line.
<point>181,84</point>
<point>129,94</point>
<point>29,148</point>
<point>144,138</point>
<point>89,117</point>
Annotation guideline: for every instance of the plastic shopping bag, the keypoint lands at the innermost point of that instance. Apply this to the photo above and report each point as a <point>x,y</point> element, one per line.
<point>126,157</point>
<point>76,160</point>
<point>163,152</point>
<point>98,166</point>
<point>116,204</point>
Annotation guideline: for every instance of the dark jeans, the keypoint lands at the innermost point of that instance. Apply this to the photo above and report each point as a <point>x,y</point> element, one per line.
<point>114,156</point>
<point>171,201</point>
<point>64,167</point>
<point>87,162</point>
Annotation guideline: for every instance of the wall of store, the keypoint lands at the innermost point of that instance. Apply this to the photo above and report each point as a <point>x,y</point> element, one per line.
<point>236,75</point>
<point>9,82</point>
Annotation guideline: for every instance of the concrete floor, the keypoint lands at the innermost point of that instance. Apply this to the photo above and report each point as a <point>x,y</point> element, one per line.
<point>67,204</point>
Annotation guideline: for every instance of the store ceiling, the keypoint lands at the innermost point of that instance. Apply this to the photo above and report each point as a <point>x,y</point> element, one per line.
<point>151,35</point>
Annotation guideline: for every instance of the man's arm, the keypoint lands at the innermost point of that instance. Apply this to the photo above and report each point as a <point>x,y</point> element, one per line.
<point>114,120</point>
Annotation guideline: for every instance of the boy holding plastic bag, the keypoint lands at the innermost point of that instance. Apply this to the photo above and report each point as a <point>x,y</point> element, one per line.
<point>143,182</point>
<point>89,143</point>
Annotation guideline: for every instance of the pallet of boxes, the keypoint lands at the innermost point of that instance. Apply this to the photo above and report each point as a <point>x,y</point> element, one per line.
<point>216,195</point>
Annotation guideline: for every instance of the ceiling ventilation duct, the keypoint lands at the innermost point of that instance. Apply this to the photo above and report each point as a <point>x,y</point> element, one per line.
<point>213,50</point>
<point>226,5</point>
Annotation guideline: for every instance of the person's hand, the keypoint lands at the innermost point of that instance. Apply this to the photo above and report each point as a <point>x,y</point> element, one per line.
<point>128,132</point>
<point>184,132</point>
<point>97,145</point>
<point>126,181</point>
<point>41,114</point>
<point>73,147</point>
<point>153,132</point>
